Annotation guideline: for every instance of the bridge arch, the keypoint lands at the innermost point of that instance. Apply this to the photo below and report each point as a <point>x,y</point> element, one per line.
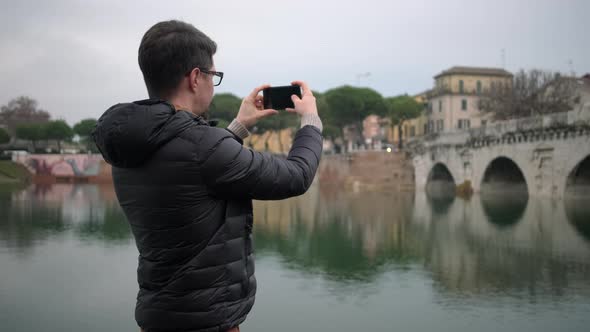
<point>440,181</point>
<point>503,175</point>
<point>578,180</point>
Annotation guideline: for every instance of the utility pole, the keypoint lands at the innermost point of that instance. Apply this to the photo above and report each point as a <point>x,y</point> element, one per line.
<point>570,63</point>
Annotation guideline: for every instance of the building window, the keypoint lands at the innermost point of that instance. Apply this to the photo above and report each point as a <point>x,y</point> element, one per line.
<point>464,124</point>
<point>464,104</point>
<point>461,86</point>
<point>440,105</point>
<point>478,87</point>
<point>440,125</point>
<point>425,129</point>
<point>484,123</point>
<point>430,107</point>
<point>412,131</point>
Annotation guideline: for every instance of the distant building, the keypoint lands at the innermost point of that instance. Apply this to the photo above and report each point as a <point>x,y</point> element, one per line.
<point>375,131</point>
<point>583,104</point>
<point>352,137</point>
<point>453,102</point>
<point>416,127</point>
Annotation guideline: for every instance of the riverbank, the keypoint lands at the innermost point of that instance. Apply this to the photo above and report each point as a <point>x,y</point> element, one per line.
<point>368,171</point>
<point>11,173</point>
<point>65,168</point>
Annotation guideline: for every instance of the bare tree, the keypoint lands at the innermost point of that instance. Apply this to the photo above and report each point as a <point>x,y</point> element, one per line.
<point>535,92</point>
<point>22,110</point>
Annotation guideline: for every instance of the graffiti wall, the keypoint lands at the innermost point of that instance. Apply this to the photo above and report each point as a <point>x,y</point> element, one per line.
<point>65,165</point>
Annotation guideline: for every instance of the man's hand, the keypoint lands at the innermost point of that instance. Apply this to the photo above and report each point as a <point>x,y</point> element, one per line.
<point>252,109</point>
<point>306,104</point>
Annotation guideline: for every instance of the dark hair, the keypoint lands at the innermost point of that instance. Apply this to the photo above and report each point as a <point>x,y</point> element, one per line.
<point>168,51</point>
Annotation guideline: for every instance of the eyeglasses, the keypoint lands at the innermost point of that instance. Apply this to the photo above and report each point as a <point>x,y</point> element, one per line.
<point>217,76</point>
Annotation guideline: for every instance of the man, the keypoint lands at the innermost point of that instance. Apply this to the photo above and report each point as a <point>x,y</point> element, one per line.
<point>186,187</point>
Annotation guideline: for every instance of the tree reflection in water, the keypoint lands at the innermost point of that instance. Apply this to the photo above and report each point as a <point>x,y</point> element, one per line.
<point>481,247</point>
<point>353,239</point>
<point>344,236</point>
<point>31,216</point>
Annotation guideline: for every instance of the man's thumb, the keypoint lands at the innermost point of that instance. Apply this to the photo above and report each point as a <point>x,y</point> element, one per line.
<point>295,98</point>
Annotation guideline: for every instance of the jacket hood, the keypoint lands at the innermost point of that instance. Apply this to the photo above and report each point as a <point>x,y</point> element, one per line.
<point>128,134</point>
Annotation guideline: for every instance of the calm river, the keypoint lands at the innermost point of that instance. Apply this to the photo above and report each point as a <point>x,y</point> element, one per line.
<point>326,261</point>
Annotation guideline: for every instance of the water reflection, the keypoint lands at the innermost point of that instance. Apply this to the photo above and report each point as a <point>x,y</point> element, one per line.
<point>440,204</point>
<point>355,238</point>
<point>578,213</point>
<point>32,216</point>
<point>465,245</point>
<point>344,238</point>
<point>504,210</point>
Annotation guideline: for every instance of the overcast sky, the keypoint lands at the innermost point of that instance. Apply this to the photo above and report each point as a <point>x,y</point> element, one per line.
<point>79,57</point>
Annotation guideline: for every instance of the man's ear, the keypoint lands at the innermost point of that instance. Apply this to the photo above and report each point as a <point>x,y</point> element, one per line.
<point>194,79</point>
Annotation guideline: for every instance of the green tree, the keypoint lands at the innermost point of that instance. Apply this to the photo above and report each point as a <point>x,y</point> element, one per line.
<point>33,132</point>
<point>84,129</point>
<point>222,123</point>
<point>224,106</point>
<point>351,105</point>
<point>373,102</point>
<point>402,108</point>
<point>277,122</point>
<point>331,129</point>
<point>4,137</point>
<point>59,131</point>
<point>346,105</point>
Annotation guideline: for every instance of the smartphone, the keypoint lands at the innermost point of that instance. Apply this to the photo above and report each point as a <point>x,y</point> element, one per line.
<point>279,97</point>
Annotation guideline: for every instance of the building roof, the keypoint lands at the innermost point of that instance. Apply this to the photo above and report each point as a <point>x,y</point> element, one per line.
<point>476,71</point>
<point>423,93</point>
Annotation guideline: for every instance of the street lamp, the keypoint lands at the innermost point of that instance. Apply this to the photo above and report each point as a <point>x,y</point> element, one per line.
<point>361,75</point>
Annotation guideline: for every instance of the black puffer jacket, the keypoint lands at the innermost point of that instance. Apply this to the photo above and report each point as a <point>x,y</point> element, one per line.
<point>186,189</point>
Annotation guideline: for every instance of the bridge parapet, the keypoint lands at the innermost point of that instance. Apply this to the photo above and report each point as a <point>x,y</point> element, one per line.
<point>535,128</point>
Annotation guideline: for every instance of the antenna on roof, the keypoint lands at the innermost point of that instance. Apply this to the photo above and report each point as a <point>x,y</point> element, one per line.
<point>570,63</point>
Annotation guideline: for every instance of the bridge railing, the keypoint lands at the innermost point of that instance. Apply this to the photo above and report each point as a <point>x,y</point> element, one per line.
<point>500,128</point>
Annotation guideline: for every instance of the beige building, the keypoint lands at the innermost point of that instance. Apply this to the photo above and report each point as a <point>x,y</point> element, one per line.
<point>416,127</point>
<point>412,128</point>
<point>453,103</point>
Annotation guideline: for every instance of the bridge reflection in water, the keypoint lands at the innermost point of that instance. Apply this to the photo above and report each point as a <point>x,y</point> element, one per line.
<point>486,245</point>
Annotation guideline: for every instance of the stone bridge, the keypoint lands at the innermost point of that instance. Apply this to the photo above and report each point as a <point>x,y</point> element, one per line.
<point>544,156</point>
